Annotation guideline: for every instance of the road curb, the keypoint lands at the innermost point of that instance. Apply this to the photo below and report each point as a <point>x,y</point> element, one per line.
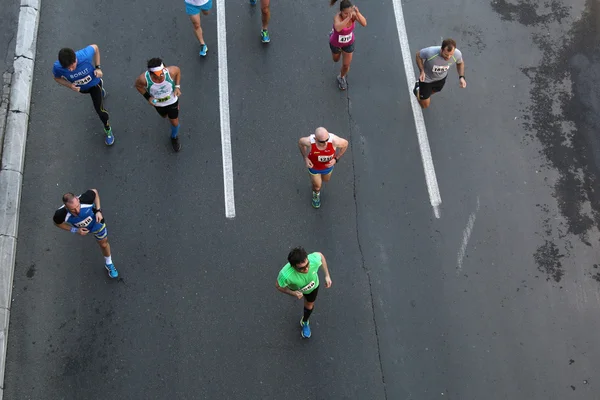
<point>13,156</point>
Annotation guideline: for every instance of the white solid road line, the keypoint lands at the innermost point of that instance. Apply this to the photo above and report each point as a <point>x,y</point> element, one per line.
<point>224,108</point>
<point>430,178</point>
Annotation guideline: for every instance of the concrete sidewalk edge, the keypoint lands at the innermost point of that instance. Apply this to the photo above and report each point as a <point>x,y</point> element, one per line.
<point>13,156</point>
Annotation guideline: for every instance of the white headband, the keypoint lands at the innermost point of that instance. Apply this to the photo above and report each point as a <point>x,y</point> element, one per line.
<point>156,69</point>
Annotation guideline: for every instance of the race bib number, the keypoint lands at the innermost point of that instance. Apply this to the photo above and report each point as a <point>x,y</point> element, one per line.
<point>84,223</point>
<point>164,99</point>
<point>83,81</point>
<point>308,287</point>
<point>440,68</point>
<point>346,38</point>
<point>324,158</point>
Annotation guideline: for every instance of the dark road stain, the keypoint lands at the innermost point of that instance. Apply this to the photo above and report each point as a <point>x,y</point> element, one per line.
<point>571,361</point>
<point>564,114</point>
<point>527,12</point>
<point>31,271</point>
<point>548,258</point>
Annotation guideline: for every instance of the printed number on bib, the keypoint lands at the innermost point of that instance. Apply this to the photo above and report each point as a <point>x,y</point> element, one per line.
<point>308,287</point>
<point>345,38</point>
<point>440,68</point>
<point>164,99</point>
<point>83,81</point>
<point>84,223</point>
<point>324,158</point>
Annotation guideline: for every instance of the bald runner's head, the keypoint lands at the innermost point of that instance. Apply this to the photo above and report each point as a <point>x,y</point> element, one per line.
<point>321,134</point>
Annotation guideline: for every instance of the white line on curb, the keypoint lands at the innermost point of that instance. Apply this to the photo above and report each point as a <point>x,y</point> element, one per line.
<point>466,236</point>
<point>430,178</point>
<point>224,107</point>
<point>13,155</point>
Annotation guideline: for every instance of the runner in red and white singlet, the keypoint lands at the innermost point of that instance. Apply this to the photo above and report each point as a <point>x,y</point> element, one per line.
<point>321,152</point>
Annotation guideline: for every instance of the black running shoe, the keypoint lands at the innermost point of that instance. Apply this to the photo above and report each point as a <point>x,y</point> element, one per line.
<point>175,143</point>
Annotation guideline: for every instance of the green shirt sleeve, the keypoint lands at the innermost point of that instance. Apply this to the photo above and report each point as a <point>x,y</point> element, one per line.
<point>315,259</point>
<point>281,278</point>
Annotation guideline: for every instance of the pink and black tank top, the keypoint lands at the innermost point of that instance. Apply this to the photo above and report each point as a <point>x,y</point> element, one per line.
<point>343,38</point>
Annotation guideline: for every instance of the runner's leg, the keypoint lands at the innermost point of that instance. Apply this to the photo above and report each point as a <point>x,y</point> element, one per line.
<point>346,60</point>
<point>316,181</point>
<point>197,28</point>
<point>96,95</point>
<point>265,13</point>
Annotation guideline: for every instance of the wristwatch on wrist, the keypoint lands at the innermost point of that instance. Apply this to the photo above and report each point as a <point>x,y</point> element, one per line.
<point>462,76</point>
<point>178,86</point>
<point>98,210</point>
<point>98,66</point>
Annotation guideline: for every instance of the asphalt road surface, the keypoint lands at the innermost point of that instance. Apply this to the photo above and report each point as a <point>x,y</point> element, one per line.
<point>497,299</point>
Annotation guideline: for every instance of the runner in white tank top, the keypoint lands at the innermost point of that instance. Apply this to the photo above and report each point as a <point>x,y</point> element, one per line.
<point>160,86</point>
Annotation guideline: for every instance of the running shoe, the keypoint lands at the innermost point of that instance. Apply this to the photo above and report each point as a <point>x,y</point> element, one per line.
<point>175,143</point>
<point>305,332</point>
<point>252,2</point>
<point>342,83</point>
<point>416,89</point>
<point>112,271</point>
<point>110,138</point>
<point>316,200</point>
<point>203,50</point>
<point>264,34</point>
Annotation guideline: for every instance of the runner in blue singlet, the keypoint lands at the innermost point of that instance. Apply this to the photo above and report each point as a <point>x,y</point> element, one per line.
<point>81,72</point>
<point>82,214</point>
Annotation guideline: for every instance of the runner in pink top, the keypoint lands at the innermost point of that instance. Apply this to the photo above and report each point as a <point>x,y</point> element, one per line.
<point>341,38</point>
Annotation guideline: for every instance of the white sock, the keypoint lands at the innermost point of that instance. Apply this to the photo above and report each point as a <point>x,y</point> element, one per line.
<point>108,260</point>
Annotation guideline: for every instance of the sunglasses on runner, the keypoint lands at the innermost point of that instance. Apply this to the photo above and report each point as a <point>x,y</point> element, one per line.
<point>302,268</point>
<point>323,141</point>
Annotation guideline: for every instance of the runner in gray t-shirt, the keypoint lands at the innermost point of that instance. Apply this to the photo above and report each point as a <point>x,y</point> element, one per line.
<point>434,63</point>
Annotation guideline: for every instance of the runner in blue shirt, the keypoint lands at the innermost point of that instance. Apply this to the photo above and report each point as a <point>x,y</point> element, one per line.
<point>82,214</point>
<point>81,72</point>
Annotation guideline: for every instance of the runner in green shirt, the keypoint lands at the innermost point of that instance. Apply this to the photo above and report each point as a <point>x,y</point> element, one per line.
<point>299,278</point>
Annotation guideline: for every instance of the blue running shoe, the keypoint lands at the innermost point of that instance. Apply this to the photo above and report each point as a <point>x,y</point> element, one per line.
<point>113,273</point>
<point>316,199</point>
<point>110,138</point>
<point>305,332</point>
<point>252,2</point>
<point>203,50</point>
<point>264,34</point>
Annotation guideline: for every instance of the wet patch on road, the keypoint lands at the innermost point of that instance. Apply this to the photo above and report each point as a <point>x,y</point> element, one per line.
<point>564,117</point>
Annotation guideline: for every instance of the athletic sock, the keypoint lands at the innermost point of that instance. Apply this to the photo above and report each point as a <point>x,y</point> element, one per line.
<point>107,129</point>
<point>174,131</point>
<point>108,260</point>
<point>307,313</point>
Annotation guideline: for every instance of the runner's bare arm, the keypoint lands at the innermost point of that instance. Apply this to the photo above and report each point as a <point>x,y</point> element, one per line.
<point>286,290</point>
<point>97,205</point>
<point>420,62</point>
<point>359,17</point>
<point>341,144</point>
<point>325,270</point>
<point>461,68</point>
<point>64,226</point>
<point>339,23</point>
<point>176,73</point>
<point>304,145</point>
<point>65,83</point>
<point>140,84</point>
<point>96,54</point>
